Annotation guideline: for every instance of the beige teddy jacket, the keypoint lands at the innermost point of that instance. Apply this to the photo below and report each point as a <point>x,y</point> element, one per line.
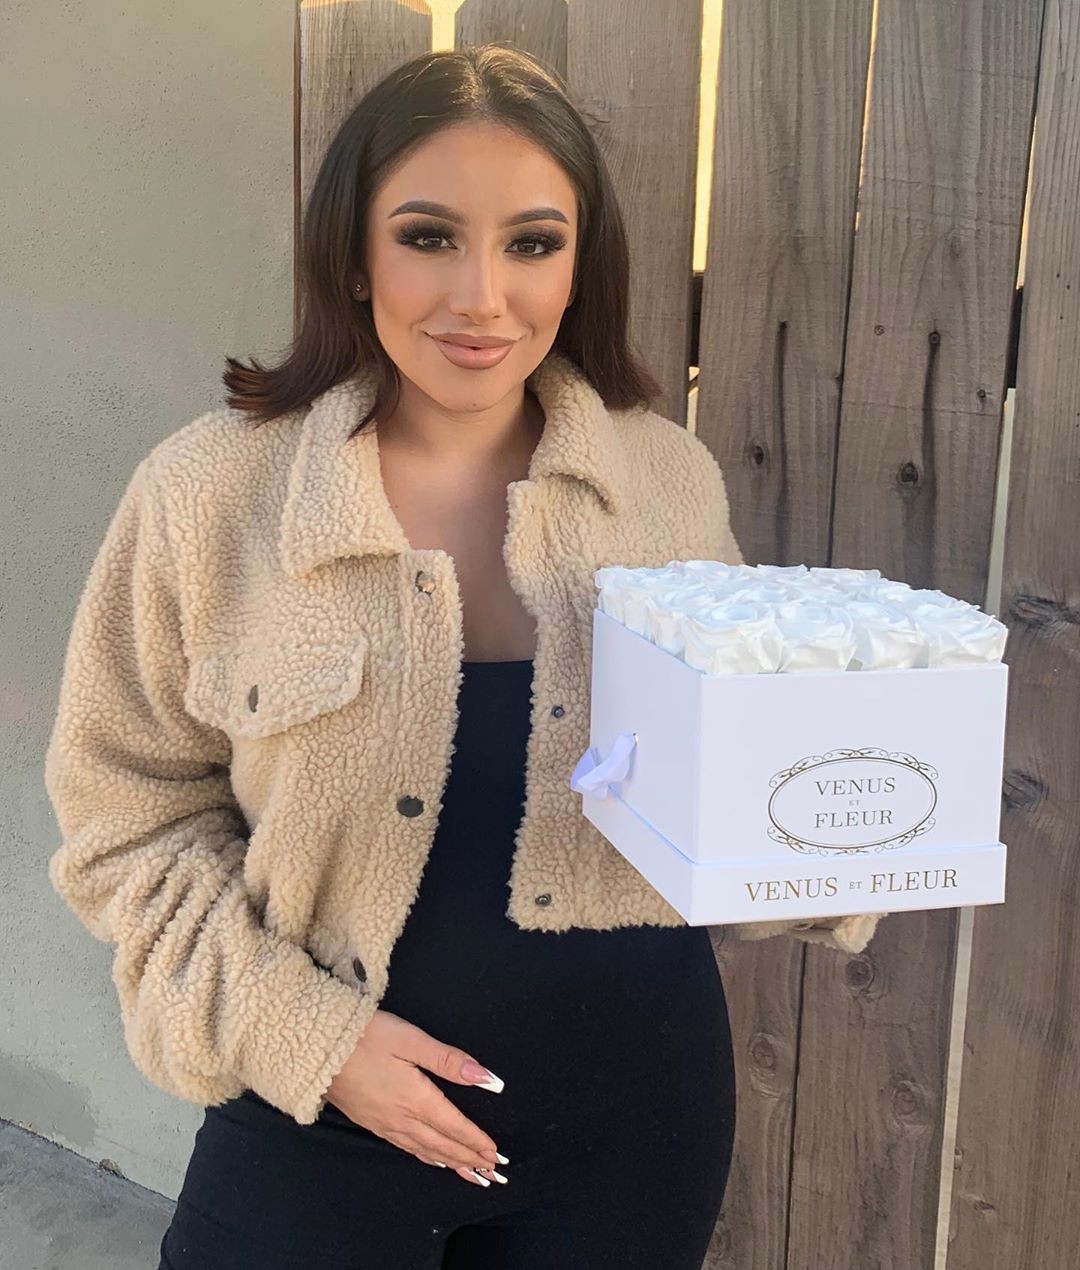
<point>257,709</point>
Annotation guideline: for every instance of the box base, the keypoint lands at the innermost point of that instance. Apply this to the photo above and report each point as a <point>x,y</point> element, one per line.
<point>805,886</point>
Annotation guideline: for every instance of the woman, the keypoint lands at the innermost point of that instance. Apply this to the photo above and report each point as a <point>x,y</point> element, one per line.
<point>323,695</point>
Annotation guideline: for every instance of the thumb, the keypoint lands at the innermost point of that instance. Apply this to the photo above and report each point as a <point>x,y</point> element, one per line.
<point>453,1064</point>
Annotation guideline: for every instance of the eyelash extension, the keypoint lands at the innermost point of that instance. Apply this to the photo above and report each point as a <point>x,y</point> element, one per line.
<point>550,240</point>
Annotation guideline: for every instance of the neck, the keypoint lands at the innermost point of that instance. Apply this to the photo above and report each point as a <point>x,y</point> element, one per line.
<point>503,435</point>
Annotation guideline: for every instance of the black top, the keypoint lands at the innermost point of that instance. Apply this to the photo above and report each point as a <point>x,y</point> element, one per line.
<point>532,1005</point>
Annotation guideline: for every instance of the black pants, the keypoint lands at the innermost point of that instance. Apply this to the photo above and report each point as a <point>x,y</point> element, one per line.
<point>619,1107</point>
<point>629,1174</point>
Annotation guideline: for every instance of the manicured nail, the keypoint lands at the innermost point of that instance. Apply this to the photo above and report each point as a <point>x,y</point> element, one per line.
<point>501,1158</point>
<point>439,1164</point>
<point>482,1180</point>
<point>481,1077</point>
<point>496,1175</point>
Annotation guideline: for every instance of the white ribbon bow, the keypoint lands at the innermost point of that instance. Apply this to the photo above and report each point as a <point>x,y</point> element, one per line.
<point>593,775</point>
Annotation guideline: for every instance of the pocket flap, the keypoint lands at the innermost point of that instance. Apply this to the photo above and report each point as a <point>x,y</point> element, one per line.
<point>257,691</point>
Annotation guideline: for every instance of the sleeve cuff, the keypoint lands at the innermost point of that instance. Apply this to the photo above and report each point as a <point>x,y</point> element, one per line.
<point>302,1024</point>
<point>845,934</point>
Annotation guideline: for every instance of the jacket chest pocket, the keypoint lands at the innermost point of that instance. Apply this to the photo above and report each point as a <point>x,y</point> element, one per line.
<point>256,692</point>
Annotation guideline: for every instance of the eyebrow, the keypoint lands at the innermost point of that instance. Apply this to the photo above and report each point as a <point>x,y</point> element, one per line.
<point>447,213</point>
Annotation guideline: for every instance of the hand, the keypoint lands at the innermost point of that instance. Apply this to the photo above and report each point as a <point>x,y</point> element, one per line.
<point>382,1088</point>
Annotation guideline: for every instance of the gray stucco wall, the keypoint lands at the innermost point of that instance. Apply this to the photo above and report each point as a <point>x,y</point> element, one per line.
<point>145,232</point>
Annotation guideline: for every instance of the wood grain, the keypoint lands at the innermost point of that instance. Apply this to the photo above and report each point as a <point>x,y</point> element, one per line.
<point>926,346</point>
<point>633,71</point>
<point>790,98</point>
<point>1016,1182</point>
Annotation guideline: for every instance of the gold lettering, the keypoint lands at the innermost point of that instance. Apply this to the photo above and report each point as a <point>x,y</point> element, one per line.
<point>795,888</point>
<point>913,880</point>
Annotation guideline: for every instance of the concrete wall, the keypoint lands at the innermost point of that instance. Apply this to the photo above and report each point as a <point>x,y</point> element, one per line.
<point>145,232</point>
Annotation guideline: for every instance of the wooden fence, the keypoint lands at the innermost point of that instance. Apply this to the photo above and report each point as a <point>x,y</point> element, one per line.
<point>851,330</point>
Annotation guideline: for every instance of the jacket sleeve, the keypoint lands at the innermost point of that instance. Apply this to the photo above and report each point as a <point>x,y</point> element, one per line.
<point>152,851</point>
<point>848,934</point>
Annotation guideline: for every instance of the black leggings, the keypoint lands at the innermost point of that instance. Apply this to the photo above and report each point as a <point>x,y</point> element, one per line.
<point>262,1192</point>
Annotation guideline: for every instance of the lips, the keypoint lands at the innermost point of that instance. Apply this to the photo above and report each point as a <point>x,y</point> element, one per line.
<point>459,353</point>
<point>480,341</point>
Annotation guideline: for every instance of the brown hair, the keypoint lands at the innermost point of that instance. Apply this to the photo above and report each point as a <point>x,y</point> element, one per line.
<point>336,336</point>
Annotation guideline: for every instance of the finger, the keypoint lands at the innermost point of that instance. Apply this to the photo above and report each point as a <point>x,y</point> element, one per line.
<point>436,1110</point>
<point>431,1142</point>
<point>412,1146</point>
<point>470,1176</point>
<point>442,1060</point>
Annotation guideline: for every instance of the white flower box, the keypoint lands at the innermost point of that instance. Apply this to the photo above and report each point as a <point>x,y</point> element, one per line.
<point>756,797</point>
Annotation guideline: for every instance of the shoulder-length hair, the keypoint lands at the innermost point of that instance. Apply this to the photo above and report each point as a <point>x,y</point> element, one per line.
<point>336,336</point>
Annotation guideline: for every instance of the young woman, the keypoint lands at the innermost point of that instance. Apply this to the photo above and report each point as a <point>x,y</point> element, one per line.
<point>323,695</point>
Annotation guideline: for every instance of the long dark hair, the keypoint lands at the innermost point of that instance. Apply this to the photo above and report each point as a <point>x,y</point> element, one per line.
<point>336,336</point>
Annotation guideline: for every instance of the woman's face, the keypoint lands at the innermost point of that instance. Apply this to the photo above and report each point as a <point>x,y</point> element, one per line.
<point>464,270</point>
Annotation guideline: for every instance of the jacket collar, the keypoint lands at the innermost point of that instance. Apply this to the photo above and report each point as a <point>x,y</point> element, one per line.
<point>335,504</point>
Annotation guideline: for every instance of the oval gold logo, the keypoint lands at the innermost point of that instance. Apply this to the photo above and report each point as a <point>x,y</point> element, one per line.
<point>852,800</point>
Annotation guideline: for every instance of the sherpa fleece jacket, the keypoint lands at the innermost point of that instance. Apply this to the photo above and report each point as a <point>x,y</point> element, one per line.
<point>257,708</point>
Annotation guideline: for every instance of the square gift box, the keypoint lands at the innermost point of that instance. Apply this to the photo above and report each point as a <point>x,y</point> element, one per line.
<point>757,797</point>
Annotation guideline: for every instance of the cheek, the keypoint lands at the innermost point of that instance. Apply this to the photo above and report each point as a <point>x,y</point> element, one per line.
<point>407,286</point>
<point>545,294</point>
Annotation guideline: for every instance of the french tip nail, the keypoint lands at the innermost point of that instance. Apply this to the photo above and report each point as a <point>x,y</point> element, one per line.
<point>495,1084</point>
<point>501,1158</point>
<point>482,1180</point>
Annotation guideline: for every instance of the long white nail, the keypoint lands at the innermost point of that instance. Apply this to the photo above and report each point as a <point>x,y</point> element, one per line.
<point>482,1180</point>
<point>501,1158</point>
<point>439,1164</point>
<point>497,1175</point>
<point>495,1084</point>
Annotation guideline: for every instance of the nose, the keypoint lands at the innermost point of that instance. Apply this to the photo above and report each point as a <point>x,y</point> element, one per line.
<point>479,287</point>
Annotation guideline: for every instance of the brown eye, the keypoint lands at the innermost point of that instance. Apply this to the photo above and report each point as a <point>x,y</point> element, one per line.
<point>550,243</point>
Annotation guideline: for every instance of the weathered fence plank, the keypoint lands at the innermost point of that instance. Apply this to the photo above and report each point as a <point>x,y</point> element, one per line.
<point>789,120</point>
<point>1017,1177</point>
<point>934,271</point>
<point>342,50</point>
<point>633,70</point>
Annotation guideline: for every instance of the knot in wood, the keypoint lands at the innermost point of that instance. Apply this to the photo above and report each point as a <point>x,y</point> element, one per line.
<point>906,1103</point>
<point>1021,789</point>
<point>763,1053</point>
<point>859,973</point>
<point>1038,610</point>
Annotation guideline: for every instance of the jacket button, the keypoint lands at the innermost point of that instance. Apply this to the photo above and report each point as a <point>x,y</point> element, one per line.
<point>425,582</point>
<point>358,969</point>
<point>410,806</point>
<point>557,712</point>
<point>543,900</point>
<point>253,697</point>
